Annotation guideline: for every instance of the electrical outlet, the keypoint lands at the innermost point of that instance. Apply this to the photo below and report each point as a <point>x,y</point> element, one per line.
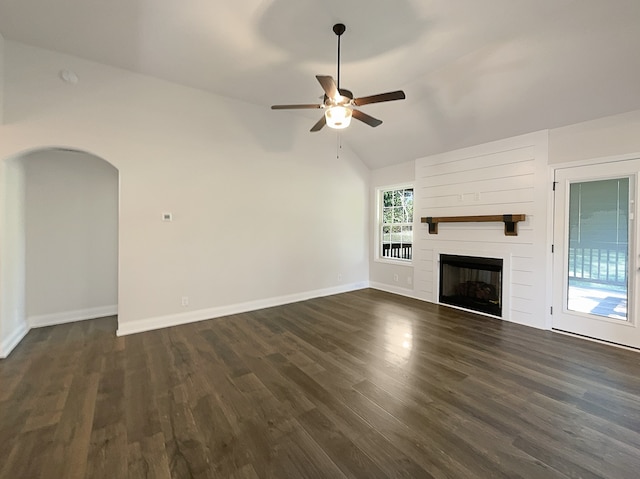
<point>395,278</point>
<point>339,277</point>
<point>185,301</point>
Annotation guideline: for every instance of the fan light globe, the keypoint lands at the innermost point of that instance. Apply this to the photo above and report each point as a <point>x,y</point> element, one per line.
<point>338,116</point>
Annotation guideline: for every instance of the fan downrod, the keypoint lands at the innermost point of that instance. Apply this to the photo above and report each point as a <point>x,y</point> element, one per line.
<point>339,29</point>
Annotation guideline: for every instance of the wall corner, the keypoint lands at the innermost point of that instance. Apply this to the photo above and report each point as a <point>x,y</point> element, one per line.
<point>2,74</point>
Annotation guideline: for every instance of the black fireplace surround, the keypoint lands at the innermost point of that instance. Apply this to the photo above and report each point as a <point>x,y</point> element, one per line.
<point>471,282</point>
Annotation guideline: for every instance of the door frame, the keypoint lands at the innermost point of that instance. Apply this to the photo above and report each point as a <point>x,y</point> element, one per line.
<point>551,211</point>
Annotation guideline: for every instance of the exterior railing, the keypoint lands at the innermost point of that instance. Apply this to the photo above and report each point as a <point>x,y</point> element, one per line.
<point>605,263</point>
<point>397,250</point>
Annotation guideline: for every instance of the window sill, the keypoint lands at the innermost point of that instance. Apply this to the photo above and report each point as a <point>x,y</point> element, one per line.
<point>395,261</point>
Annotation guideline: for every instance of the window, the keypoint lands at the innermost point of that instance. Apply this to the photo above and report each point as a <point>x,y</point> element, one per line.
<point>396,223</point>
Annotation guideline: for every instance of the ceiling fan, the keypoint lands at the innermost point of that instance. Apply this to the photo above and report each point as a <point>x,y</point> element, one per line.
<point>338,103</point>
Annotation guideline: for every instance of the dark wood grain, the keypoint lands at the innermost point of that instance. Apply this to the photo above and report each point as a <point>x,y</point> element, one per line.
<point>363,384</point>
<point>510,221</point>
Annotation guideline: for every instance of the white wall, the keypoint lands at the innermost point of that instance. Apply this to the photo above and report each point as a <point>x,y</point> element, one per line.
<point>601,138</point>
<point>13,326</point>
<point>263,211</point>
<point>71,237</point>
<point>503,177</point>
<point>382,273</point>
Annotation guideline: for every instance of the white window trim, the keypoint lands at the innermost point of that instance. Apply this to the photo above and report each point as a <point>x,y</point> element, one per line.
<point>377,257</point>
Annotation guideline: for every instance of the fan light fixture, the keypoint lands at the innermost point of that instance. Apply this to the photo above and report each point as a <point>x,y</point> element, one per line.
<point>338,116</point>
<point>338,103</point>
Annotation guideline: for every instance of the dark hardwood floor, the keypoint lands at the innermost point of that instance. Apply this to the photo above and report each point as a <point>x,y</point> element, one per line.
<point>363,384</point>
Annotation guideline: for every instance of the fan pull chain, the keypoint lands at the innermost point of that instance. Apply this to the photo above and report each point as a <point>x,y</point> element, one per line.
<point>338,146</point>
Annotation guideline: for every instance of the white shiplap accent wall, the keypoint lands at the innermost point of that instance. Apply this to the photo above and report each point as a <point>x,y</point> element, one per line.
<point>503,177</point>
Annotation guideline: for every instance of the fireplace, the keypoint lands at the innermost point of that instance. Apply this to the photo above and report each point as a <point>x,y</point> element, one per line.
<point>471,282</point>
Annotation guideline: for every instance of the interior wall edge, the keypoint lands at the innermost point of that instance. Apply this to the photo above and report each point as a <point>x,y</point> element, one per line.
<point>2,74</point>
<point>10,342</point>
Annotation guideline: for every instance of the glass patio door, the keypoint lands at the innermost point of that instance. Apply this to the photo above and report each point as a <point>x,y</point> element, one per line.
<point>595,258</point>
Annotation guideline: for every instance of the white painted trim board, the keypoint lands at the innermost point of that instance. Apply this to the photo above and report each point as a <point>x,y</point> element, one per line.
<point>388,288</point>
<point>149,324</point>
<point>42,320</point>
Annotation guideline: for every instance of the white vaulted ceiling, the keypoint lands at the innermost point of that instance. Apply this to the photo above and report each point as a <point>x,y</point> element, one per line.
<point>473,71</point>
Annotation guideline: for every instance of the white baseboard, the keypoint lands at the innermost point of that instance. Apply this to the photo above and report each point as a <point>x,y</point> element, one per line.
<point>410,293</point>
<point>12,341</point>
<point>149,324</point>
<point>42,320</point>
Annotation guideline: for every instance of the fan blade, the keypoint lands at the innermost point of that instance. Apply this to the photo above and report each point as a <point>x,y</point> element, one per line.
<point>328,85</point>
<point>368,119</point>
<point>295,107</point>
<point>391,96</point>
<point>318,126</point>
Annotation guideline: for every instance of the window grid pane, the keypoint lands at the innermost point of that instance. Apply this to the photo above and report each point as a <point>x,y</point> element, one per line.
<point>396,224</point>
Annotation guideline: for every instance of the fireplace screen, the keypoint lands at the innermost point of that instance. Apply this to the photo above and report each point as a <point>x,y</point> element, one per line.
<point>471,282</point>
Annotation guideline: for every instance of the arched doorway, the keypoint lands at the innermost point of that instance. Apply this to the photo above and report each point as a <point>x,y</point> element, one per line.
<point>61,258</point>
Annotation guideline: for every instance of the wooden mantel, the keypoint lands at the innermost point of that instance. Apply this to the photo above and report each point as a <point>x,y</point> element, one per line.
<point>510,221</point>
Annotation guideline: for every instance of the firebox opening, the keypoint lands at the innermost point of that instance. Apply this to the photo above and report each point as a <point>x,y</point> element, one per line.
<point>472,283</point>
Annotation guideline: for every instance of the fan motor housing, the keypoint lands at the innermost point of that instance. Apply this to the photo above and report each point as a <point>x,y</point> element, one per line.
<point>346,97</point>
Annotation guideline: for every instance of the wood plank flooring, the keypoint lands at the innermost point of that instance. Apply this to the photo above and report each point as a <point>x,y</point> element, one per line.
<point>358,385</point>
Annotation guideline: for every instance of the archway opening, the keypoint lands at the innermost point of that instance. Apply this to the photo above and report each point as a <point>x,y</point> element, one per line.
<point>61,216</point>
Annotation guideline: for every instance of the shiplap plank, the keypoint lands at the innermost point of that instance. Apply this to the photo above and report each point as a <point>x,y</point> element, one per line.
<point>426,254</point>
<point>522,305</point>
<point>522,263</point>
<point>424,286</point>
<point>426,267</point>
<point>493,198</point>
<point>427,168</point>
<point>505,172</point>
<point>424,259</point>
<point>491,148</point>
<point>524,291</point>
<point>522,277</point>
<point>470,248</point>
<point>521,317</point>
<point>461,232</point>
<point>474,186</point>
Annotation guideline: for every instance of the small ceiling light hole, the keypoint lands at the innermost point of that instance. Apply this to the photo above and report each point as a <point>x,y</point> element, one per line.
<point>68,76</point>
